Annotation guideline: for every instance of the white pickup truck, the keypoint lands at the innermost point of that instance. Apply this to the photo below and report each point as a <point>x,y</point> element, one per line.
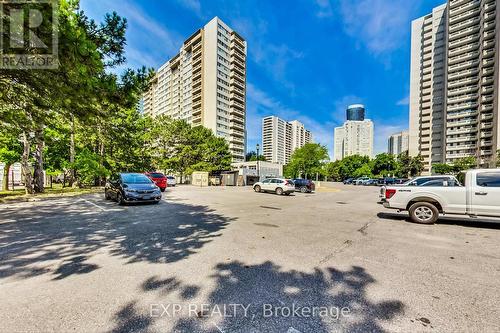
<point>480,196</point>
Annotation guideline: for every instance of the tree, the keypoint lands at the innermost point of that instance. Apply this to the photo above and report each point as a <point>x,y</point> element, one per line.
<point>307,161</point>
<point>384,164</point>
<point>363,170</point>
<point>464,163</point>
<point>252,156</point>
<point>10,152</point>
<point>442,169</point>
<point>348,166</point>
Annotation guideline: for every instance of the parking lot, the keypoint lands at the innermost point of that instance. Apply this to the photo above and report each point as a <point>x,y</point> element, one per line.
<point>231,260</point>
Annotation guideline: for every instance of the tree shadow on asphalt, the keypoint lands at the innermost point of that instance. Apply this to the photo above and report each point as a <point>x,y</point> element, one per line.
<point>264,285</point>
<point>448,220</point>
<point>34,241</point>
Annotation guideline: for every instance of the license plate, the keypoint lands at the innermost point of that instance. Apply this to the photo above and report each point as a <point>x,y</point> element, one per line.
<point>146,197</point>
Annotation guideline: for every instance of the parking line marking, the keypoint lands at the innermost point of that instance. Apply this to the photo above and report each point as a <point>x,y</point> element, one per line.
<point>93,204</point>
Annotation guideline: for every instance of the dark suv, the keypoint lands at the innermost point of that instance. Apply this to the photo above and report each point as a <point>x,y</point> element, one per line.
<point>304,185</point>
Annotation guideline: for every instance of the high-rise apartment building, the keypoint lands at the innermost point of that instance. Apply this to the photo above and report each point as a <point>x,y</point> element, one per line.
<point>355,137</point>
<point>454,83</point>
<point>205,85</point>
<point>398,143</point>
<point>281,138</point>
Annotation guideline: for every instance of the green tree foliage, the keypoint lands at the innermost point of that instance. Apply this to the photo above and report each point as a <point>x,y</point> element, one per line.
<point>464,163</point>
<point>384,164</point>
<point>252,156</point>
<point>177,147</point>
<point>442,168</point>
<point>79,107</point>
<point>307,161</point>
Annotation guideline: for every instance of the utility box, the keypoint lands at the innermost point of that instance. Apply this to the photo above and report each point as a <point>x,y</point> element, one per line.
<point>199,178</point>
<point>229,178</point>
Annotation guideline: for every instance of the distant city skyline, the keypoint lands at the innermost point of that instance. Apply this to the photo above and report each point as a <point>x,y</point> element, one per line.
<point>292,73</point>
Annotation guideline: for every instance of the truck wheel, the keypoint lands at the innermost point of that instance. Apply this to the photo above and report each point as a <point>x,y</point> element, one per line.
<point>424,212</point>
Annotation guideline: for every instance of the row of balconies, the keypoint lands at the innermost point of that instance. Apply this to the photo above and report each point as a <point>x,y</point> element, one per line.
<point>462,82</point>
<point>462,106</point>
<point>457,115</point>
<point>462,98</point>
<point>464,41</point>
<point>464,7</point>
<point>464,16</point>
<point>462,90</point>
<point>461,139</point>
<point>463,130</point>
<point>463,57</point>
<point>463,73</point>
<point>461,25</point>
<point>458,123</point>
<point>463,49</point>
<point>460,147</point>
<point>463,65</point>
<point>464,32</point>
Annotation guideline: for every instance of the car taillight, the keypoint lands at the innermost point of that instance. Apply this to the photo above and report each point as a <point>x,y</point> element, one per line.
<point>389,193</point>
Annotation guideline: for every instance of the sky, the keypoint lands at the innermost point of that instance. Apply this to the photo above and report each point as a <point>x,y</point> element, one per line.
<point>307,59</point>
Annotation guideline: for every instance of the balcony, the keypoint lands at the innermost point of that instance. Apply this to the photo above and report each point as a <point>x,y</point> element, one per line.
<point>486,126</point>
<point>457,155</point>
<point>487,116</point>
<point>486,134</point>
<point>461,139</point>
<point>457,115</point>
<point>464,32</point>
<point>486,152</point>
<point>463,49</point>
<point>462,98</point>
<point>238,105</point>
<point>461,123</point>
<point>461,25</point>
<point>461,74</point>
<point>461,147</point>
<point>461,82</point>
<point>462,8</point>
<point>463,65</point>
<point>461,131</point>
<point>465,15</point>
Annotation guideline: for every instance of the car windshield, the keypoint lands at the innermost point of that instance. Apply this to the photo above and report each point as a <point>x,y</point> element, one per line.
<point>135,178</point>
<point>157,175</point>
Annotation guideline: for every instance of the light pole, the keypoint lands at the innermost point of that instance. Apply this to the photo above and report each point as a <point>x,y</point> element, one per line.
<point>258,171</point>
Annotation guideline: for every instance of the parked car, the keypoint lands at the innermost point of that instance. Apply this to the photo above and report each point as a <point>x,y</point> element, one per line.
<point>360,180</point>
<point>400,180</point>
<point>171,181</point>
<point>131,187</point>
<point>348,181</point>
<point>439,180</point>
<point>277,185</point>
<point>159,179</point>
<point>304,185</point>
<point>371,182</point>
<point>386,181</point>
<point>479,197</point>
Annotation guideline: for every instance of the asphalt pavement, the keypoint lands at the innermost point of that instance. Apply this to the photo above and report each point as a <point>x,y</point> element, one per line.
<point>227,259</point>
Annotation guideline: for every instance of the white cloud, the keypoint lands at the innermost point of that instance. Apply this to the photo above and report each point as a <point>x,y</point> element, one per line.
<point>404,101</point>
<point>157,42</point>
<point>194,6</point>
<point>380,25</point>
<point>324,8</point>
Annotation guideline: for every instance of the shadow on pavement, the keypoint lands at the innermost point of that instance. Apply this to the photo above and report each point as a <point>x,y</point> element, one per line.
<point>35,240</point>
<point>447,220</point>
<point>268,290</point>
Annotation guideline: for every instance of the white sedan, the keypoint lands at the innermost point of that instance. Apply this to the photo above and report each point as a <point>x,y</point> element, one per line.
<point>170,181</point>
<point>277,185</point>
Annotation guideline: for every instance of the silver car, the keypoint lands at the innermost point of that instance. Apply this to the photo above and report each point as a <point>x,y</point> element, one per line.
<point>277,185</point>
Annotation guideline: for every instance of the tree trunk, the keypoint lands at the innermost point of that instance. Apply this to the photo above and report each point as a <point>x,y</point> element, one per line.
<point>5,179</point>
<point>25,165</point>
<point>38,176</point>
<point>72,173</point>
